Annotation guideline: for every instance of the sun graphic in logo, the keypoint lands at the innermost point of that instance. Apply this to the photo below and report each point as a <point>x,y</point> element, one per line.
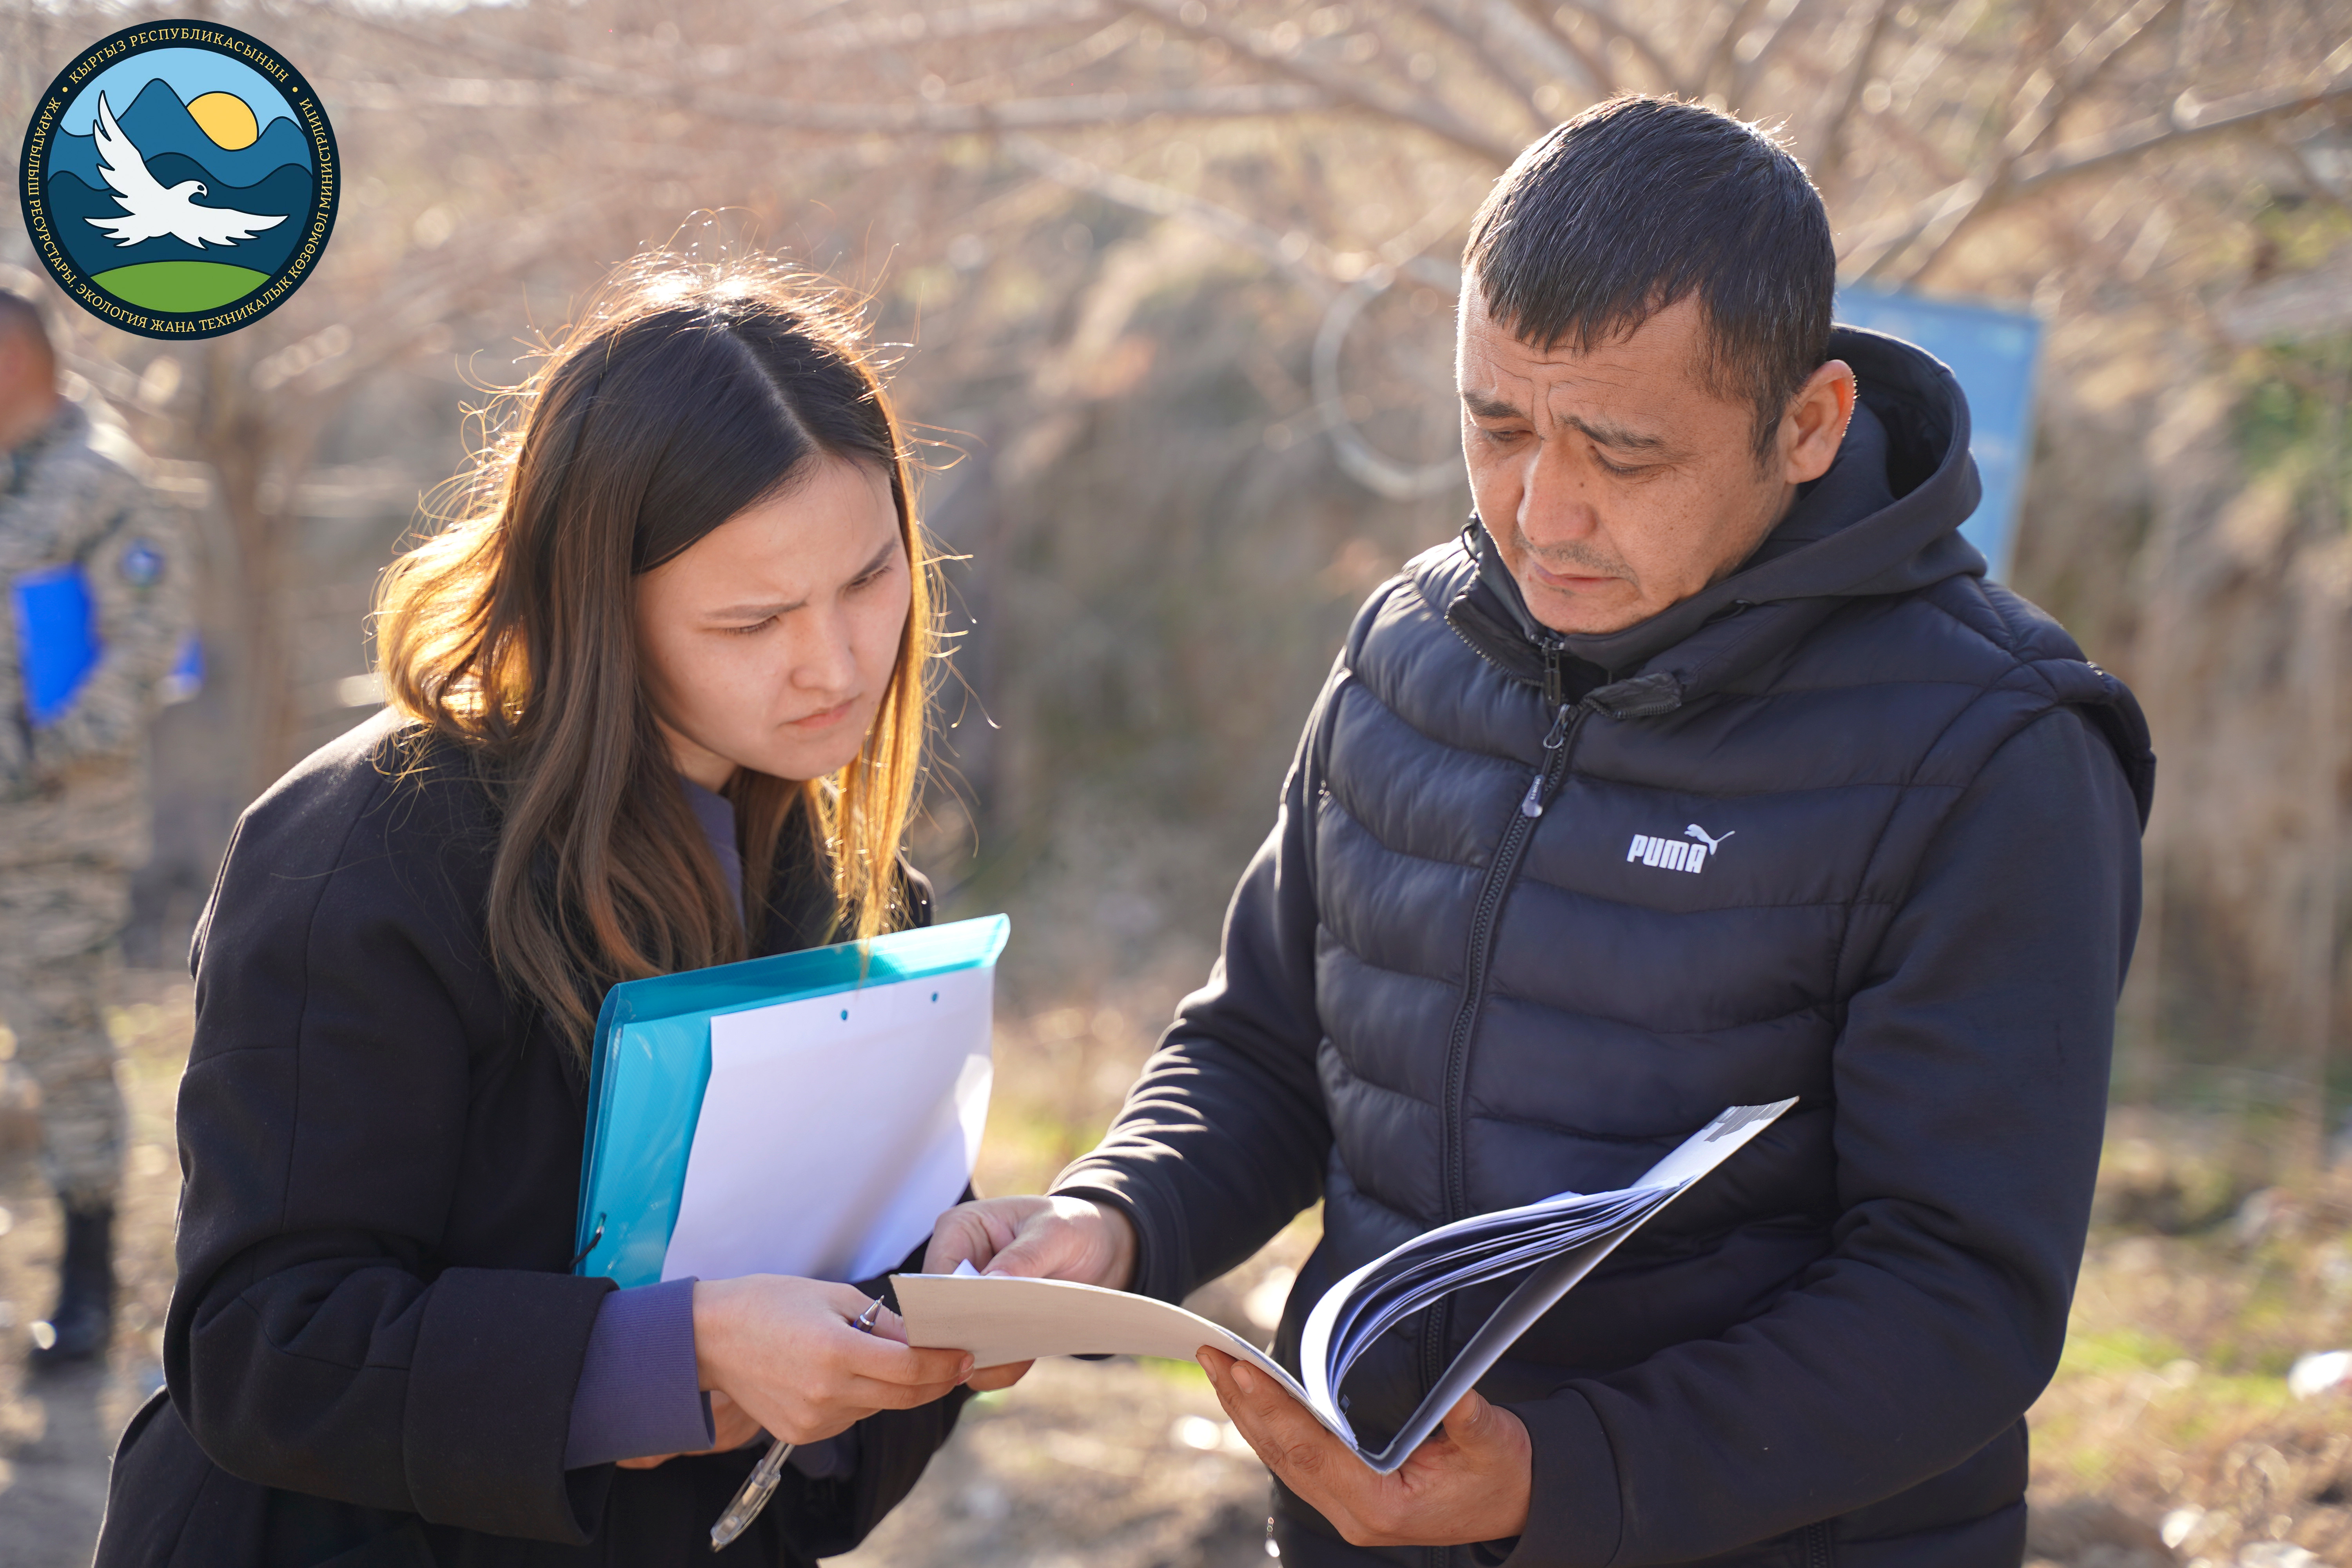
<point>227,119</point>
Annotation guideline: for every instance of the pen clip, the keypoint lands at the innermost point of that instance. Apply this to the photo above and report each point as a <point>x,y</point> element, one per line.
<point>582,1256</point>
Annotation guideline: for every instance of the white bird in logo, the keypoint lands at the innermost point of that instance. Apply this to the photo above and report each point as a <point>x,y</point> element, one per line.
<point>154,211</point>
<point>1696,831</point>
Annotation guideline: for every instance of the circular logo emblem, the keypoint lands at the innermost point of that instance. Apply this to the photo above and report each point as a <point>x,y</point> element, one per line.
<point>179,179</point>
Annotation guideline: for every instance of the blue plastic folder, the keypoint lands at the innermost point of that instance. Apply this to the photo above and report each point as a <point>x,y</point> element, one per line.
<point>57,641</point>
<point>652,1062</point>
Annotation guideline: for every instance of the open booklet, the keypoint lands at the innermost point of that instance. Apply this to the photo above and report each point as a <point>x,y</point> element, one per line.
<point>1561,1240</point>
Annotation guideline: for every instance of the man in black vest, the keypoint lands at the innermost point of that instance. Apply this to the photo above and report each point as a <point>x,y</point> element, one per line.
<point>1704,769</point>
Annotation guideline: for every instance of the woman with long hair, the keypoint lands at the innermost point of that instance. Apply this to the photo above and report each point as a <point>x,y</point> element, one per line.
<point>655,700</point>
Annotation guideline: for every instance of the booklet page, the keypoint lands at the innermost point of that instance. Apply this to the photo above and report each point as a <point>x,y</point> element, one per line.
<point>1556,1243</point>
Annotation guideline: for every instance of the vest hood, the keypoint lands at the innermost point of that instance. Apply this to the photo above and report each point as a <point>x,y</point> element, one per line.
<point>1884,520</point>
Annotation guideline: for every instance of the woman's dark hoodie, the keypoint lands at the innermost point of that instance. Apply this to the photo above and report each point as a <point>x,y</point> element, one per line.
<point>375,1337</point>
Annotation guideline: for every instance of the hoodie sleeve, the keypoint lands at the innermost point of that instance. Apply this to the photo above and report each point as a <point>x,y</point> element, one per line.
<point>1971,1082</point>
<point>318,1341</point>
<point>1223,1140</point>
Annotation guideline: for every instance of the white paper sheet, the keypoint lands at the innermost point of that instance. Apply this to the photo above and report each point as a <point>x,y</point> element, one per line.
<point>835,1129</point>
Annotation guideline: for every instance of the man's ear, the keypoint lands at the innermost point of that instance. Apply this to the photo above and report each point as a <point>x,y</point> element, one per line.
<point>1814,427</point>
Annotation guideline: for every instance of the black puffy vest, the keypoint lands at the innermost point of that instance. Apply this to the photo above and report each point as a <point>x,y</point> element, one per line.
<point>1558,930</point>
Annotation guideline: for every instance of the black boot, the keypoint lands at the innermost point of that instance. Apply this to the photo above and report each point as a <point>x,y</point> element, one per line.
<point>84,1321</point>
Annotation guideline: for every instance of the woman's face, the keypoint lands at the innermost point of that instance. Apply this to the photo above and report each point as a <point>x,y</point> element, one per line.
<point>769,642</point>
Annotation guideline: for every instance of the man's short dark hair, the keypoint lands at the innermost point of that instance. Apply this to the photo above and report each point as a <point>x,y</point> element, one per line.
<point>1640,201</point>
<point>18,314</point>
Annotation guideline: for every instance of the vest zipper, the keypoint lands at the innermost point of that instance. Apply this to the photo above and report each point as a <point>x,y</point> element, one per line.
<point>1559,750</point>
<point>1820,1545</point>
<point>1531,802</point>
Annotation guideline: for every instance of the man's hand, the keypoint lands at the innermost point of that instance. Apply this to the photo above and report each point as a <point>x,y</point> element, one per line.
<point>1034,1238</point>
<point>1467,1484</point>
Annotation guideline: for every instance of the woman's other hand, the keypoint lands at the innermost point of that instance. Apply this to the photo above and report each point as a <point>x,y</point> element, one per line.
<point>788,1354</point>
<point>731,1425</point>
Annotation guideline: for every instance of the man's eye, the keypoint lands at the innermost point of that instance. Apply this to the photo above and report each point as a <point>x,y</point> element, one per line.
<point>760,625</point>
<point>1620,472</point>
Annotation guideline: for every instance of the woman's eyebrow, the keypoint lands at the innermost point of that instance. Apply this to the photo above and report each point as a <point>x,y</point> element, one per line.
<point>749,612</point>
<point>761,611</point>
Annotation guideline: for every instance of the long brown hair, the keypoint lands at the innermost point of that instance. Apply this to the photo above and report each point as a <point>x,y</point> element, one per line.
<point>685,393</point>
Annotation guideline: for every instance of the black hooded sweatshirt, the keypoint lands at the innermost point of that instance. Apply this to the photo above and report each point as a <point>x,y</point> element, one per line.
<point>1454,980</point>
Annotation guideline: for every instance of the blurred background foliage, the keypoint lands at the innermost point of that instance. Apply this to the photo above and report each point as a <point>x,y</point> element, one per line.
<point>1169,287</point>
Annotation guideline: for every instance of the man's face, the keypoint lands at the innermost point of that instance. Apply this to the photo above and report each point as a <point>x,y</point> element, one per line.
<point>25,374</point>
<point>1617,483</point>
<point>28,386</point>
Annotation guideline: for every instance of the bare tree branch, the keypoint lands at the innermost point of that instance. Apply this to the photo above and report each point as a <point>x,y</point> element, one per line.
<point>1093,49</point>
<point>1473,36</point>
<point>2075,70</point>
<point>1714,62</point>
<point>1603,79</point>
<point>1142,195</point>
<point>919,118</point>
<point>896,30</point>
<point>1599,16</point>
<point>1554,54</point>
<point>1339,85</point>
<point>1831,161</point>
<point>2198,122</point>
<point>1932,223</point>
<point>1782,22</point>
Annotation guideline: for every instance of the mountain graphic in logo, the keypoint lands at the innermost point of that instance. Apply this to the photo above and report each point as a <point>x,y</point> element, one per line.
<point>186,180</point>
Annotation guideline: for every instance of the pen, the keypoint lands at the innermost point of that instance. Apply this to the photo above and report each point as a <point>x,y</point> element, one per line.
<point>761,1484</point>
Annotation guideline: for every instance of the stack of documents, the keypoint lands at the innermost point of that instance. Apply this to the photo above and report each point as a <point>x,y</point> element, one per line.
<point>810,1114</point>
<point>1561,1240</point>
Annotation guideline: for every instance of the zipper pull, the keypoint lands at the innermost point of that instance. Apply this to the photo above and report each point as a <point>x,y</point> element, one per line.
<point>1555,687</point>
<point>1531,804</point>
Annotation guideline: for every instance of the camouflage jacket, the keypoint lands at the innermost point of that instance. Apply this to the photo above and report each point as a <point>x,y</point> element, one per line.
<point>74,493</point>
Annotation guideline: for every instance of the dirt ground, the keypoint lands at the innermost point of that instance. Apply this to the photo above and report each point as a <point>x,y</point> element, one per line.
<point>2170,1439</point>
<point>58,1430</point>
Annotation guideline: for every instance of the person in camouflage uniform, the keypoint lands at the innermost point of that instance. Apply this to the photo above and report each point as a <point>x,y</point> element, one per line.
<point>74,813</point>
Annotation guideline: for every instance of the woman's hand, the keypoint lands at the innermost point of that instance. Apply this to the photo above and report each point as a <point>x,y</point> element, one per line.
<point>1034,1238</point>
<point>732,1427</point>
<point>788,1354</point>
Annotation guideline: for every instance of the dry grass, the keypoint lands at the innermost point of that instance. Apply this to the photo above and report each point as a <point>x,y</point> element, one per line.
<point>2171,1403</point>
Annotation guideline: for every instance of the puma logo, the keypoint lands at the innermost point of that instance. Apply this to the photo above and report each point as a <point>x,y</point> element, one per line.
<point>1674,855</point>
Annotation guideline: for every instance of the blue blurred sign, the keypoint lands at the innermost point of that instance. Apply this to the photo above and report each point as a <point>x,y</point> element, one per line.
<point>56,641</point>
<point>1992,352</point>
